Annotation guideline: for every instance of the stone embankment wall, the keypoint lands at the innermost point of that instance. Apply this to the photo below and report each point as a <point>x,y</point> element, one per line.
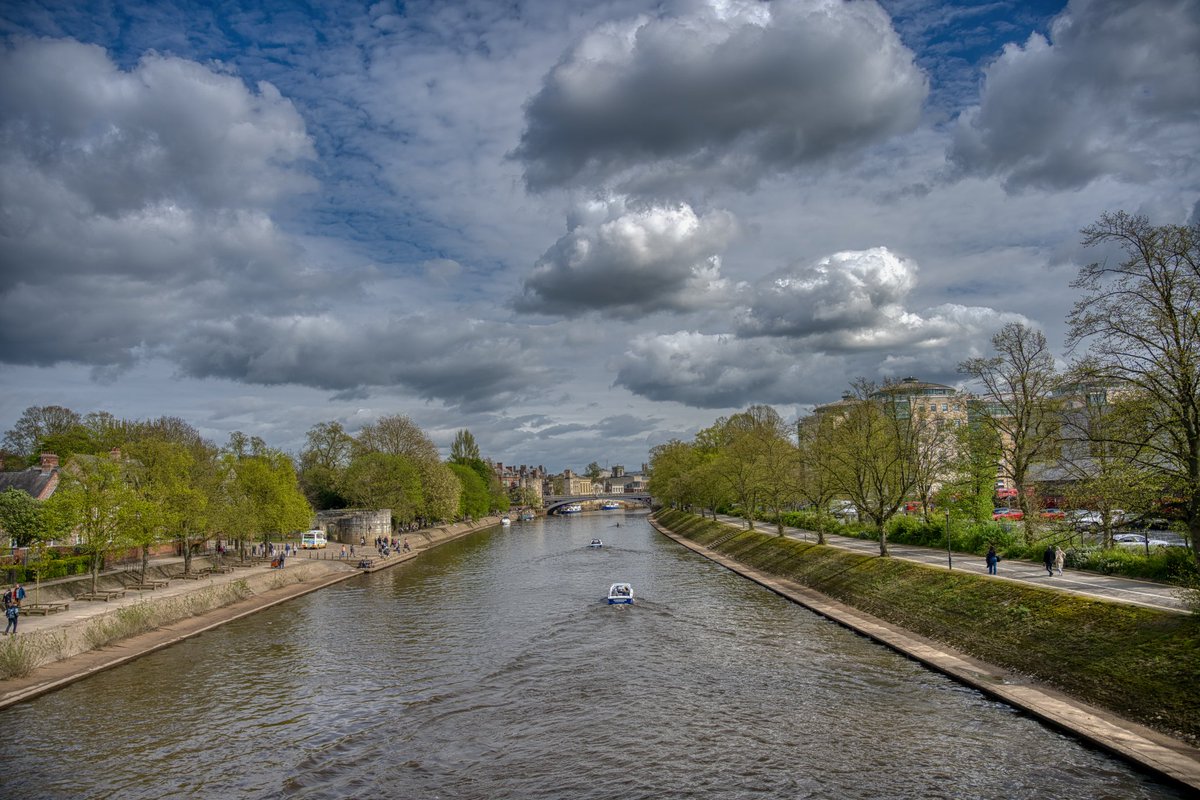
<point>75,637</point>
<point>349,526</point>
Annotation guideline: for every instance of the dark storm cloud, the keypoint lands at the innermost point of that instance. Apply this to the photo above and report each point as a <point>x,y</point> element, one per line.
<point>1096,99</point>
<point>460,362</point>
<point>730,89</point>
<point>138,201</point>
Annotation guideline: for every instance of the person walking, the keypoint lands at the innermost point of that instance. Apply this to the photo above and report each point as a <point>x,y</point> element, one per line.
<point>992,560</point>
<point>1060,558</point>
<point>11,613</point>
<point>343,556</point>
<point>1048,559</point>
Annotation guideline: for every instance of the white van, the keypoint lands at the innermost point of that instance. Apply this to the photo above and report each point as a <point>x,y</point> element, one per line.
<point>312,540</point>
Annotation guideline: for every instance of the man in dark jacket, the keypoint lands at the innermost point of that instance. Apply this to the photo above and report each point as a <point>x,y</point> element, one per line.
<point>1048,560</point>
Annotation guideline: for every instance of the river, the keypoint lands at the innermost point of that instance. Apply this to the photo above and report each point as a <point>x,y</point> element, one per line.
<point>491,667</point>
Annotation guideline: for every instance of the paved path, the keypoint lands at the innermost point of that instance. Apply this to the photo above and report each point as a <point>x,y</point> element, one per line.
<point>1090,584</point>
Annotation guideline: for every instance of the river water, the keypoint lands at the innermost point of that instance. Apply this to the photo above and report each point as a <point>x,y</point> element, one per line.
<point>491,667</point>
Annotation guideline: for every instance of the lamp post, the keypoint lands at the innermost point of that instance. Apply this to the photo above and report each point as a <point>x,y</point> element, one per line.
<point>949,554</point>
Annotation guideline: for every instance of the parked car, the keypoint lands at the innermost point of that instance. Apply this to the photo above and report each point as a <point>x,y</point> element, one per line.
<point>1053,513</point>
<point>1008,513</point>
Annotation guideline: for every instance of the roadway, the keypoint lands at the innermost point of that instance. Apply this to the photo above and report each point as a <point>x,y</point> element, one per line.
<point>1089,584</point>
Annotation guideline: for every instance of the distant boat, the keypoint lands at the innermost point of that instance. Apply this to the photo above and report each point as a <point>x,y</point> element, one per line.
<point>620,594</point>
<point>574,508</point>
<point>505,522</point>
<point>609,505</point>
<point>596,543</point>
<point>527,517</point>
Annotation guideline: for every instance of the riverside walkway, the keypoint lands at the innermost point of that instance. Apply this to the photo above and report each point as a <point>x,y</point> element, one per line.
<point>1090,584</point>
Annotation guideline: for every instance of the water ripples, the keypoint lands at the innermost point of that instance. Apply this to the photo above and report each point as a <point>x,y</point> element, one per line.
<point>492,668</point>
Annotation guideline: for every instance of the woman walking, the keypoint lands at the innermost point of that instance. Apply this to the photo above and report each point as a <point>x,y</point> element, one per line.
<point>1060,558</point>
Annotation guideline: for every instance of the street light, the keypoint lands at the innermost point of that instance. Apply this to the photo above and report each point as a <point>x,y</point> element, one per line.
<point>949,554</point>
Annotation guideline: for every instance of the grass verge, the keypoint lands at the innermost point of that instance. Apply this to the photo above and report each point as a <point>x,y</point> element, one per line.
<point>1141,664</point>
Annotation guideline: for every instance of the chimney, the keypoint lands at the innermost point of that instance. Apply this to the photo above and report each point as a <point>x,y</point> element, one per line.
<point>49,461</point>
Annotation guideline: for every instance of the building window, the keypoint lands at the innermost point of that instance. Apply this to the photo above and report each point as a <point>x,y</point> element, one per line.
<point>945,407</point>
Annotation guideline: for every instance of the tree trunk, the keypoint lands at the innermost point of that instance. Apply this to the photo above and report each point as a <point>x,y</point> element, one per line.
<point>97,559</point>
<point>883,546</point>
<point>145,560</point>
<point>187,556</point>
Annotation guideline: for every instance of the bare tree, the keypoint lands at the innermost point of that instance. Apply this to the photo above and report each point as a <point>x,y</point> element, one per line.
<point>1140,320</point>
<point>1018,403</point>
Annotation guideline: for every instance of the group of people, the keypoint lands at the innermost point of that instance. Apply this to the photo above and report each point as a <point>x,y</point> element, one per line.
<point>12,607</point>
<point>1054,559</point>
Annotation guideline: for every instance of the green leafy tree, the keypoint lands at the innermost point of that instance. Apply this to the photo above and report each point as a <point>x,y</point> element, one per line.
<point>474,500</point>
<point>382,480</point>
<point>277,506</point>
<point>171,482</point>
<point>95,501</point>
<point>671,465</point>
<point>326,455</point>
<point>741,457</point>
<point>971,487</point>
<point>464,449</point>
<point>35,424</point>
<point>441,490</point>
<point>871,457</point>
<point>817,484</point>
<point>593,470</point>
<point>22,518</point>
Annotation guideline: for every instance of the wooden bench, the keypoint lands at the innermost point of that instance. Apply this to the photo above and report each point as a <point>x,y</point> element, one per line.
<point>149,583</point>
<point>221,569</point>
<point>44,608</point>
<point>243,564</point>
<point>103,594</point>
<point>191,576</point>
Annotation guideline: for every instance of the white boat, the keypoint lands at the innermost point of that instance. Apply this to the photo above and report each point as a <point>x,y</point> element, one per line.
<point>620,594</point>
<point>609,505</point>
<point>574,508</point>
<point>596,543</point>
<point>505,522</point>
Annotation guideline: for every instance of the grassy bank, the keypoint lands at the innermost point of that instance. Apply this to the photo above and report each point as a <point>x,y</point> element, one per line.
<point>1141,664</point>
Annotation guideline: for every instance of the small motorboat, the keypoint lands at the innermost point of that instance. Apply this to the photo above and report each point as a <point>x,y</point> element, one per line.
<point>527,517</point>
<point>620,594</point>
<point>505,522</point>
<point>610,505</point>
<point>596,543</point>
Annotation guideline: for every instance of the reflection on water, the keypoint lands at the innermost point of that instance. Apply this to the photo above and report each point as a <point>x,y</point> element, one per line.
<point>492,667</point>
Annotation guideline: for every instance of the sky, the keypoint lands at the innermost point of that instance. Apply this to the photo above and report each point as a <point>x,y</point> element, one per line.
<point>577,229</point>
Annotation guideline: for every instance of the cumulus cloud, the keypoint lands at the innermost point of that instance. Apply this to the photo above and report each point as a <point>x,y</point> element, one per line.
<point>1094,99</point>
<point>855,301</point>
<point>808,331</point>
<point>730,88</point>
<point>847,290</point>
<point>631,261</point>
